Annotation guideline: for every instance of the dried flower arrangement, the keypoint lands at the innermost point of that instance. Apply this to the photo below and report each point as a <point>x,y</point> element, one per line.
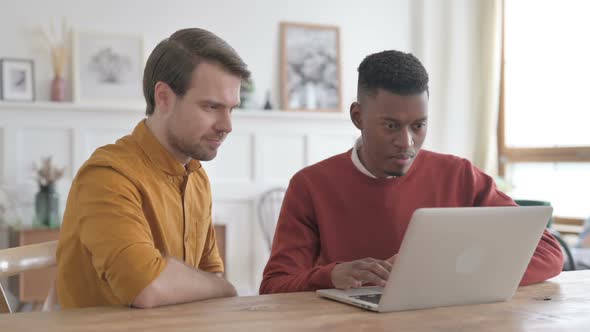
<point>57,42</point>
<point>47,174</point>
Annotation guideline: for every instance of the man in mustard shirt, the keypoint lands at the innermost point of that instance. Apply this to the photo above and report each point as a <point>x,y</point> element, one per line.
<point>137,228</point>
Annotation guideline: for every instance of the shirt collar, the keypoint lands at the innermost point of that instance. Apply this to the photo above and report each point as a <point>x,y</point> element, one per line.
<point>158,154</point>
<point>357,161</point>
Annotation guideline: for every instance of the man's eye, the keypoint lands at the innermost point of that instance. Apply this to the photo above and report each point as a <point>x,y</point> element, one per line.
<point>391,126</point>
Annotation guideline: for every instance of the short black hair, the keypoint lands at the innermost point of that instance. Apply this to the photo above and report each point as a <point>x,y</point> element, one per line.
<point>175,58</point>
<point>394,71</point>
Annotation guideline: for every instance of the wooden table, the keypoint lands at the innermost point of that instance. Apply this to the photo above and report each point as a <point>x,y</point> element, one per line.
<point>561,304</point>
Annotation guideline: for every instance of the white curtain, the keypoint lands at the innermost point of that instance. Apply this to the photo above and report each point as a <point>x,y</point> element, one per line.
<point>459,42</point>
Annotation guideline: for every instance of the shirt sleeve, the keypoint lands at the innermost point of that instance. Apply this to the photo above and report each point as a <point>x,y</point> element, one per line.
<point>481,189</point>
<point>211,260</point>
<point>114,231</point>
<point>296,245</point>
<point>547,261</point>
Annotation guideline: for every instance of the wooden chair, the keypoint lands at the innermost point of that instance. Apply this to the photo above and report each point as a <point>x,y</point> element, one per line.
<point>16,260</point>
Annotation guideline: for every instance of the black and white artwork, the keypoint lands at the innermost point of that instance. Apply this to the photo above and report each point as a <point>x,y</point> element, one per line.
<point>310,67</point>
<point>108,68</point>
<point>17,80</point>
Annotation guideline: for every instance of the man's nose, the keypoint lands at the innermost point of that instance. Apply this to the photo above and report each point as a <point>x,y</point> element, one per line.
<point>404,140</point>
<point>224,122</point>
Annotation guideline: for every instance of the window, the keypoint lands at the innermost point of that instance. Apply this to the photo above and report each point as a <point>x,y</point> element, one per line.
<point>544,127</point>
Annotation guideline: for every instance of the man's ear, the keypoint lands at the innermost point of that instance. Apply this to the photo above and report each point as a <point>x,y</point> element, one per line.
<point>164,97</point>
<point>356,115</point>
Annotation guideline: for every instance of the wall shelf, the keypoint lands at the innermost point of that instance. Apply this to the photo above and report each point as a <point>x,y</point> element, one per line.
<point>140,109</point>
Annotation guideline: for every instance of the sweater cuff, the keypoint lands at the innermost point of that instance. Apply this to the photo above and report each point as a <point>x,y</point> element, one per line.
<point>322,277</point>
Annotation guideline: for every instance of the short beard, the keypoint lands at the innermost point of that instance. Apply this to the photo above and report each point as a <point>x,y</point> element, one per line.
<point>201,156</point>
<point>194,152</point>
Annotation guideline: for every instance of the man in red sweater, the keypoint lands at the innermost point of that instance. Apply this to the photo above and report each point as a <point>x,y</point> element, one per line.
<point>344,218</point>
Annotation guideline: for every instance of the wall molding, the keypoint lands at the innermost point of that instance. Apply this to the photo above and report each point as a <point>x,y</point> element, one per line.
<point>264,150</point>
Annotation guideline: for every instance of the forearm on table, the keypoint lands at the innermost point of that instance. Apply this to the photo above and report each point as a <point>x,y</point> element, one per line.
<point>547,261</point>
<point>179,283</point>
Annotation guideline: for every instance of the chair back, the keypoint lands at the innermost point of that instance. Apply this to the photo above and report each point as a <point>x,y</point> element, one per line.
<point>570,263</point>
<point>19,259</point>
<point>269,208</point>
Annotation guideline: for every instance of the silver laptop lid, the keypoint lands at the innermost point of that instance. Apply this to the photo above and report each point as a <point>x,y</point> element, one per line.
<point>453,256</point>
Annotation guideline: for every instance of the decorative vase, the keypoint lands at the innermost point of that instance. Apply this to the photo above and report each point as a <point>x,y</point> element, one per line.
<point>58,89</point>
<point>47,206</point>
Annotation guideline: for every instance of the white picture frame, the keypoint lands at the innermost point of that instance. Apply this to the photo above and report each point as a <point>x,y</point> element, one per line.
<point>17,79</point>
<point>108,68</point>
<point>310,67</point>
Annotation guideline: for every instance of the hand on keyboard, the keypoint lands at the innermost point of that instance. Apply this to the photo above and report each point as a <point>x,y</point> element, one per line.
<point>355,274</point>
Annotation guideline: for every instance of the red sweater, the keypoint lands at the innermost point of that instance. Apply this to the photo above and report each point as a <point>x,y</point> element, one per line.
<point>333,213</point>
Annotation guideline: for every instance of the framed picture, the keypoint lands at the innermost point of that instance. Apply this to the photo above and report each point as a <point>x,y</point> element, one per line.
<point>108,68</point>
<point>310,67</point>
<point>17,79</point>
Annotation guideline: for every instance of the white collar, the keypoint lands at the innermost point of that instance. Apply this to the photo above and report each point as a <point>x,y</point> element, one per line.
<point>357,161</point>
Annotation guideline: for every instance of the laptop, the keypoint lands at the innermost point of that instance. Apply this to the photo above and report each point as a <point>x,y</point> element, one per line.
<point>456,256</point>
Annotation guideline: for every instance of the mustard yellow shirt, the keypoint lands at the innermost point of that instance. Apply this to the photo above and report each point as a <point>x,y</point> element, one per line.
<point>131,205</point>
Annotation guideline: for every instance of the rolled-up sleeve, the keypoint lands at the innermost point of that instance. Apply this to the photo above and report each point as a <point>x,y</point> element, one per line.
<point>115,232</point>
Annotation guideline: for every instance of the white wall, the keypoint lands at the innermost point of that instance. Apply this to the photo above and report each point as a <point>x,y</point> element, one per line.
<point>441,33</point>
<point>251,27</point>
<point>249,162</point>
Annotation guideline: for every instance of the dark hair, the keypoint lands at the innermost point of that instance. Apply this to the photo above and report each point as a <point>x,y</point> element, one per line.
<point>394,71</point>
<point>175,58</point>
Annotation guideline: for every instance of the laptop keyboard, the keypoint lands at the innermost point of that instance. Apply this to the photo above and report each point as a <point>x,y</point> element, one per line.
<point>372,298</point>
